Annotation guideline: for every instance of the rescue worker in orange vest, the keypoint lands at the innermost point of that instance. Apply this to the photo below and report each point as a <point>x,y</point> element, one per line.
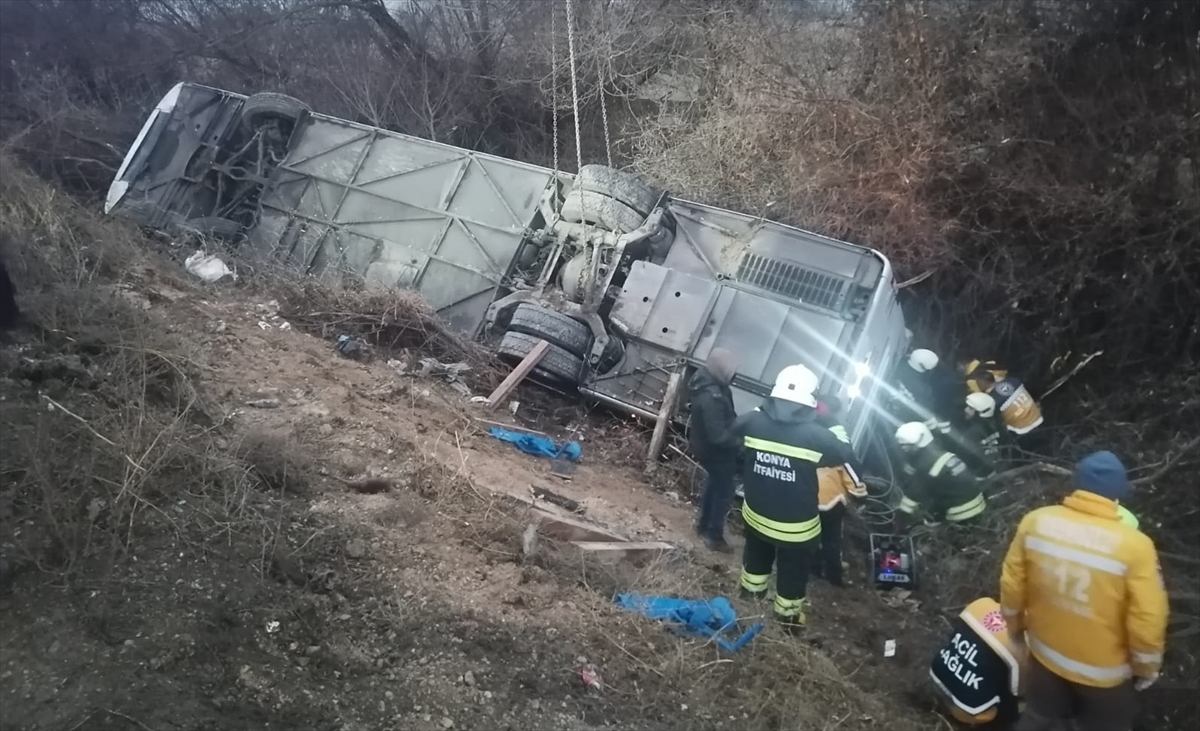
<point>1085,591</point>
<point>1020,414</point>
<point>938,482</point>
<point>784,447</point>
<point>835,487</point>
<point>972,369</point>
<point>980,670</point>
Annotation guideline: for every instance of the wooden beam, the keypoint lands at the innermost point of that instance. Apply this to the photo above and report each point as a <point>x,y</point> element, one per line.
<point>572,529</point>
<point>614,551</point>
<point>670,397</point>
<point>527,364</point>
<point>624,545</point>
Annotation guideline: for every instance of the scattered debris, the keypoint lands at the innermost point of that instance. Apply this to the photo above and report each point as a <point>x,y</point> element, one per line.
<point>207,267</point>
<point>699,617</point>
<point>450,373</point>
<point>590,676</point>
<point>268,316</point>
<point>215,326</point>
<point>541,493</point>
<point>263,403</point>
<point>537,445</point>
<point>889,648</point>
<point>350,347</point>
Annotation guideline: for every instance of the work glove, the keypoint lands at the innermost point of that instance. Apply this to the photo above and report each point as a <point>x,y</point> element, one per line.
<point>1140,684</point>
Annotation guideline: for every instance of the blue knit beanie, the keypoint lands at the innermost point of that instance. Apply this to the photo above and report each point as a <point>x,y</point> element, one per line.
<point>1103,473</point>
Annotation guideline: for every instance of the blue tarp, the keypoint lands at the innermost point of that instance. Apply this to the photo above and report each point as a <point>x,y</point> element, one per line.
<point>701,617</point>
<point>537,446</point>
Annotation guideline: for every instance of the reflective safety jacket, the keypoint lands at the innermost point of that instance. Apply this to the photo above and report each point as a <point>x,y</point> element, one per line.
<point>941,483</point>
<point>836,484</point>
<point>916,398</point>
<point>976,367</point>
<point>1087,590</point>
<point>784,447</point>
<point>1018,410</point>
<point>977,443</point>
<point>977,670</point>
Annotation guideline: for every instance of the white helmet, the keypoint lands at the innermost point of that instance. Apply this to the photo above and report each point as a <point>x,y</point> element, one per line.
<point>982,404</point>
<point>922,360</point>
<point>914,434</point>
<point>797,384</point>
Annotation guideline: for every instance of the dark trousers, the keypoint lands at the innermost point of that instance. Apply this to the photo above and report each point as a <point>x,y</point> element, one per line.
<point>827,562</point>
<point>791,562</point>
<point>718,493</point>
<point>1050,701</point>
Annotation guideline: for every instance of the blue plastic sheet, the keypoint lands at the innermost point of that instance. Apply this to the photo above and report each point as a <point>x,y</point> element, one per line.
<point>700,617</point>
<point>538,446</point>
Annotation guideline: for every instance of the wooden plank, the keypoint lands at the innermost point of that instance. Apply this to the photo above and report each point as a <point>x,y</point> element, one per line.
<point>572,529</point>
<point>670,396</point>
<point>511,427</point>
<point>624,545</point>
<point>518,374</point>
<point>611,552</point>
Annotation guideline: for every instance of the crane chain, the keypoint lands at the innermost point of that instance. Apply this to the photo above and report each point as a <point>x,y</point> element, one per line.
<point>574,81</point>
<point>554,80</point>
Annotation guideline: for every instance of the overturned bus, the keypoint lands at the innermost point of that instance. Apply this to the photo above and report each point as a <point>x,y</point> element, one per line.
<point>627,283</point>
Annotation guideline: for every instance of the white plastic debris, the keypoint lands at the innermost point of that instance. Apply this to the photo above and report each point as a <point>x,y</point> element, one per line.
<point>207,267</point>
<point>889,648</point>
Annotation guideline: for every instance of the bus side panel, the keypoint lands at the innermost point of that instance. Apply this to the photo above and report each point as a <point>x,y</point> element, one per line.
<point>398,211</point>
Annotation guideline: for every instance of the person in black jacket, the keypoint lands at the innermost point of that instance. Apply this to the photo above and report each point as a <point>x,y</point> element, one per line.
<point>713,443</point>
<point>784,446</point>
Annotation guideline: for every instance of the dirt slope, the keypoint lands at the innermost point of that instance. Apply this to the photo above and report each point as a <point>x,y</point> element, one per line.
<point>412,608</point>
<point>180,507</point>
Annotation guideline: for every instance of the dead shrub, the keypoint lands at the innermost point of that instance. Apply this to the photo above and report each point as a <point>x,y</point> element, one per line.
<point>389,320</point>
<point>103,420</point>
<point>281,462</point>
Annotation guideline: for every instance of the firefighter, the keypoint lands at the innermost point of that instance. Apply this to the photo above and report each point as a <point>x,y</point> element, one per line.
<point>979,671</point>
<point>835,487</point>
<point>939,483</point>
<point>1084,591</point>
<point>972,369</point>
<point>981,433</point>
<point>919,390</point>
<point>713,443</point>
<point>784,448</point>
<point>1020,414</point>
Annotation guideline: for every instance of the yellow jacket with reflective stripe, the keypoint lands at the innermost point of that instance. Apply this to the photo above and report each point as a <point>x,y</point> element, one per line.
<point>1088,591</point>
<point>836,484</point>
<point>976,367</point>
<point>1019,412</point>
